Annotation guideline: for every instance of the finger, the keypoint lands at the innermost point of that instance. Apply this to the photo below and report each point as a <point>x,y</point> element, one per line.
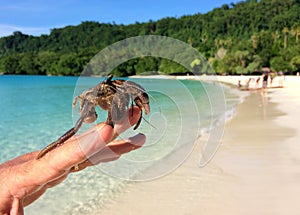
<point>117,148</point>
<point>113,151</point>
<point>131,118</point>
<point>19,160</point>
<point>120,147</point>
<point>62,159</point>
<point>78,148</point>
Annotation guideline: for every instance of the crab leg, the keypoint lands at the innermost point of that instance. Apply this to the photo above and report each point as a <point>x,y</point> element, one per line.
<point>62,139</point>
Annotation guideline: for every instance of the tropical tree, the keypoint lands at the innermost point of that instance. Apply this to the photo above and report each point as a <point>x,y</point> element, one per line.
<point>295,31</point>
<point>242,57</point>
<point>28,65</point>
<point>279,64</point>
<point>256,64</point>
<point>275,36</point>
<point>219,43</point>
<point>67,65</point>
<point>255,41</point>
<point>47,62</point>
<point>285,32</point>
<point>11,64</point>
<point>228,42</point>
<point>204,38</point>
<point>295,62</point>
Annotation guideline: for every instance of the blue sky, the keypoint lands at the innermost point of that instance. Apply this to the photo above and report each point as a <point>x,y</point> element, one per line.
<point>36,17</point>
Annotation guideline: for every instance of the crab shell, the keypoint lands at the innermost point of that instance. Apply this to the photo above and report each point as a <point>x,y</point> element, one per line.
<point>114,96</point>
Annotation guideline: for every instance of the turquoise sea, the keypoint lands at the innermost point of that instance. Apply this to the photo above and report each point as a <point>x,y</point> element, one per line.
<point>36,110</point>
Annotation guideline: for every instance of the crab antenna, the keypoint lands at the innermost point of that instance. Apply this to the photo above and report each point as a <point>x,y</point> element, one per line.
<point>149,123</point>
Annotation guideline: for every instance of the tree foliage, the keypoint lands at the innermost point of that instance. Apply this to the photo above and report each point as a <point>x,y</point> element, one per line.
<point>237,39</point>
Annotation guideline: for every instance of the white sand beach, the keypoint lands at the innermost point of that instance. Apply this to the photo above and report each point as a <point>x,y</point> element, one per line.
<point>256,169</point>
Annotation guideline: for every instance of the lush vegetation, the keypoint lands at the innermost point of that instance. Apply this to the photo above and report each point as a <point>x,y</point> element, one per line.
<point>236,39</point>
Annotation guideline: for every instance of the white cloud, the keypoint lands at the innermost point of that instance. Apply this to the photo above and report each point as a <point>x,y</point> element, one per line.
<point>22,6</point>
<point>6,30</point>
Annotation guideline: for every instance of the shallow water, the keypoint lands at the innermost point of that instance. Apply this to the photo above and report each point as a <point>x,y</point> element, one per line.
<point>36,110</point>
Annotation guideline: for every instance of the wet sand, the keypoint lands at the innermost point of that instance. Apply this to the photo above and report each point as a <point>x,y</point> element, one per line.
<point>256,169</point>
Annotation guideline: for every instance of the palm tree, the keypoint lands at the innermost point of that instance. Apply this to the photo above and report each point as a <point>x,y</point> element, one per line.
<point>241,57</point>
<point>285,32</point>
<point>190,41</point>
<point>275,36</point>
<point>204,38</point>
<point>255,41</point>
<point>228,42</point>
<point>296,32</point>
<point>218,43</point>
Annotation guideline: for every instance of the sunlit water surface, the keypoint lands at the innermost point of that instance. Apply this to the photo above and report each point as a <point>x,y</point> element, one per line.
<point>36,110</point>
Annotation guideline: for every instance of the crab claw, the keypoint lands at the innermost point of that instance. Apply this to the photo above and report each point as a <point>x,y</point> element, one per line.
<point>138,95</point>
<point>142,101</point>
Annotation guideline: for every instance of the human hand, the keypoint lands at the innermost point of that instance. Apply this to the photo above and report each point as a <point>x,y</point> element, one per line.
<point>25,178</point>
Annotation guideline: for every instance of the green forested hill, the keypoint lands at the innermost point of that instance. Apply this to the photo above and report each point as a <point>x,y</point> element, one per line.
<point>236,38</point>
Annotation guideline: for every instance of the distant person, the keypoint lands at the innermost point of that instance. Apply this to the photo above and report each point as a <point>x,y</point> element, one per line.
<point>265,78</point>
<point>239,84</point>
<point>248,84</point>
<point>257,82</point>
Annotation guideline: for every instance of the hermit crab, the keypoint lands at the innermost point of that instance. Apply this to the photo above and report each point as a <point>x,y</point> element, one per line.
<point>115,96</point>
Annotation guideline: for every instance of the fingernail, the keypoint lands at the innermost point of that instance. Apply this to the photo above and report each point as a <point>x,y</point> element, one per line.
<point>138,139</point>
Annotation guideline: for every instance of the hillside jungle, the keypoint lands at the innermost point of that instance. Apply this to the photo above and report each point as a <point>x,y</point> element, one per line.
<point>237,38</point>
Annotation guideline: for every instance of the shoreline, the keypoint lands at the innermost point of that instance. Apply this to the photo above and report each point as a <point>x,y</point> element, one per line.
<point>255,170</point>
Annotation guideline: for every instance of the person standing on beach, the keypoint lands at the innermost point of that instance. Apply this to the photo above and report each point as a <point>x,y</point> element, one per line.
<point>265,78</point>
<point>257,82</point>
